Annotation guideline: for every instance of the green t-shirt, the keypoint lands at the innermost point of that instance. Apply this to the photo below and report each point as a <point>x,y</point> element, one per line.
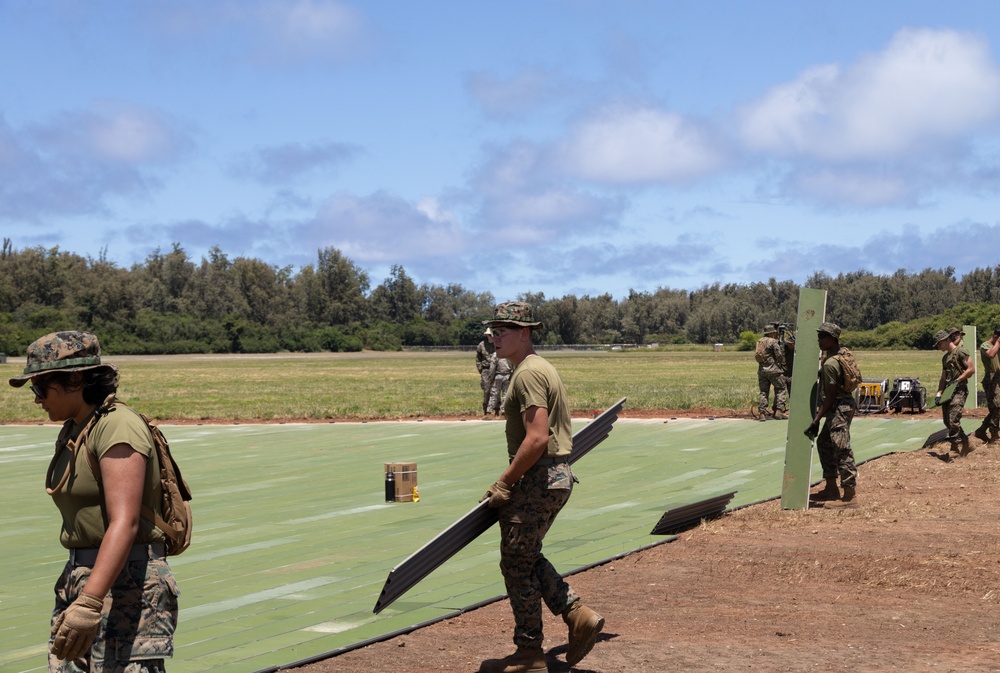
<point>535,383</point>
<point>954,363</point>
<point>79,501</point>
<point>832,373</point>
<point>991,365</point>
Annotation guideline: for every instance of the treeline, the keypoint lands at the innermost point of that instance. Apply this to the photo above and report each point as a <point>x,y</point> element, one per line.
<point>172,304</point>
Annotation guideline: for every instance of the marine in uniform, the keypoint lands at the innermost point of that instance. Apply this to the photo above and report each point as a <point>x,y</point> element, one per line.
<point>838,407</point>
<point>770,372</point>
<point>484,363</point>
<point>957,367</point>
<point>530,493</point>
<point>989,351</point>
<point>116,598</point>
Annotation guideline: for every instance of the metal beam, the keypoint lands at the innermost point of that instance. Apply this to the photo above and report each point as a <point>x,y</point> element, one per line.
<point>686,516</point>
<point>798,447</point>
<point>480,519</point>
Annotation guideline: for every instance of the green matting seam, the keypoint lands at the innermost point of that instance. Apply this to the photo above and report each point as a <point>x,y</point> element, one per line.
<point>293,540</point>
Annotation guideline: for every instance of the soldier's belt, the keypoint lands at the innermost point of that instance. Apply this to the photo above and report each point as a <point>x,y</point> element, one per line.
<point>137,552</point>
<point>548,460</point>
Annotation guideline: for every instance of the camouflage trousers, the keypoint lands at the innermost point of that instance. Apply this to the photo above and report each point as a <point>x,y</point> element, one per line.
<point>834,444</point>
<point>497,392</point>
<point>535,500</point>
<point>765,382</point>
<point>992,420</point>
<point>486,383</point>
<point>951,413</point>
<point>140,616</point>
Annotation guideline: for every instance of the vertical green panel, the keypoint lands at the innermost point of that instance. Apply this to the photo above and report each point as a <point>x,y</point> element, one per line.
<point>798,448</point>
<point>972,345</point>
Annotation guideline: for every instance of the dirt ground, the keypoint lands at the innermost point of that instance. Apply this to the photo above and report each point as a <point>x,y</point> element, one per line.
<point>909,581</point>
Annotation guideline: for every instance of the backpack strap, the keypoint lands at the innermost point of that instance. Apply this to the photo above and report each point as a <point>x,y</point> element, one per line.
<point>64,442</point>
<point>147,513</point>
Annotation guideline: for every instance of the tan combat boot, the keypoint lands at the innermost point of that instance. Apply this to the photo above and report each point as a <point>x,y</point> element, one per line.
<point>848,501</point>
<point>524,660</point>
<point>828,492</point>
<point>584,625</point>
<point>965,447</point>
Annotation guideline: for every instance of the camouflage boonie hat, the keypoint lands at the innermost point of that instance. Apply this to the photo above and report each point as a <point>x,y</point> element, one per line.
<point>61,352</point>
<point>512,313</point>
<point>941,335</point>
<point>770,327</point>
<point>830,328</point>
<point>955,330</point>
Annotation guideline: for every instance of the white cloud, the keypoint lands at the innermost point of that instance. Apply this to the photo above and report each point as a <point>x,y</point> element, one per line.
<point>926,88</point>
<point>128,134</point>
<point>882,253</point>
<point>72,164</point>
<point>857,188</point>
<point>271,32</point>
<point>510,96</point>
<point>304,28</point>
<point>277,164</point>
<point>382,228</point>
<point>640,144</point>
<point>521,198</point>
<point>433,209</point>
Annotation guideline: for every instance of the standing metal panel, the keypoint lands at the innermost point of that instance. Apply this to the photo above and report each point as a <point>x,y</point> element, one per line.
<point>798,447</point>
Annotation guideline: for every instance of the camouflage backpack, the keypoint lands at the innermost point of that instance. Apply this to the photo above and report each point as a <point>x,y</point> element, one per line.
<point>760,353</point>
<point>850,369</point>
<point>175,522</point>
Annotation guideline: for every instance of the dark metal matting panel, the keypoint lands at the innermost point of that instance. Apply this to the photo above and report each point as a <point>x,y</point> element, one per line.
<point>686,516</point>
<point>480,519</point>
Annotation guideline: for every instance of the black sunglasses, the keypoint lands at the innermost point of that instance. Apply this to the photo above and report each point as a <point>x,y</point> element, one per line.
<point>39,390</point>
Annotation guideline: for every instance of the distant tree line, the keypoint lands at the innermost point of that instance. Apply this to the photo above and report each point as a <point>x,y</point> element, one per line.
<point>172,304</point>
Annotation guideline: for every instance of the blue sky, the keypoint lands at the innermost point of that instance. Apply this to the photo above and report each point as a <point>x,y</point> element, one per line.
<point>564,147</point>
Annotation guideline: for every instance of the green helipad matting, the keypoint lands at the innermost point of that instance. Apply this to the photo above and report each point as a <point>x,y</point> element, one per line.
<point>293,540</point>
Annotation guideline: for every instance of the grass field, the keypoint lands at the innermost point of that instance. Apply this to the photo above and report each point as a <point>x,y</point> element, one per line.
<point>414,385</point>
<point>293,540</point>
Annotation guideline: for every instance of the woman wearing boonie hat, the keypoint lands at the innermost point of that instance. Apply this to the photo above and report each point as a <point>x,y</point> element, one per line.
<point>957,367</point>
<point>116,599</point>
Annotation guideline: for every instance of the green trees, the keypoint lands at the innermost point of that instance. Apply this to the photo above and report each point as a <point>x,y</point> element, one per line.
<point>170,303</point>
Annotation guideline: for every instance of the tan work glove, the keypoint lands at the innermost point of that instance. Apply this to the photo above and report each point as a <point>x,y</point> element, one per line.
<point>74,630</point>
<point>497,495</point>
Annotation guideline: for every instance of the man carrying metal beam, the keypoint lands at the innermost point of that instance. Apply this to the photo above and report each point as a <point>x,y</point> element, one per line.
<point>529,495</point>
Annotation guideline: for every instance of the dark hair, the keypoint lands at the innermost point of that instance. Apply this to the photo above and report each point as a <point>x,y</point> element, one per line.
<point>97,384</point>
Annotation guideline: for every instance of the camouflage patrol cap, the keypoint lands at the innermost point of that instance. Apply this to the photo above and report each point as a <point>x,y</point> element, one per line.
<point>830,328</point>
<point>513,313</point>
<point>941,335</point>
<point>61,352</point>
